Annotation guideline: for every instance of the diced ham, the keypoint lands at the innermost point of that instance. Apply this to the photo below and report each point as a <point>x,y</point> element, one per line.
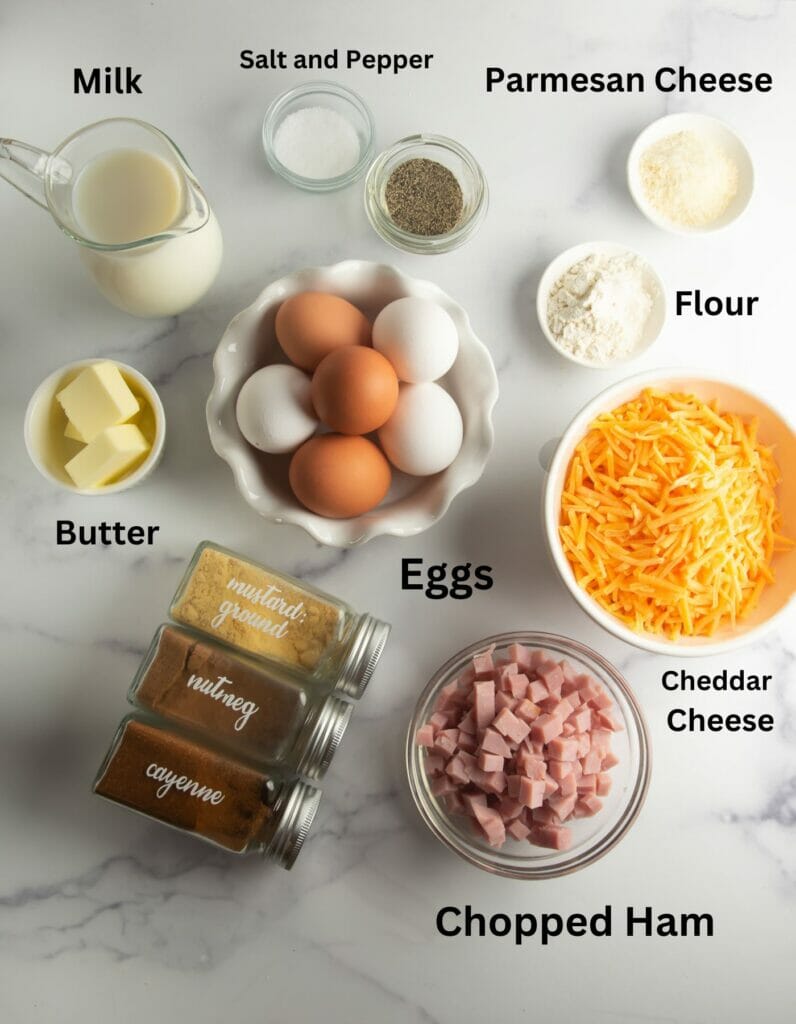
<point>520,745</point>
<point>591,803</point>
<point>518,686</point>
<point>601,741</point>
<point>443,785</point>
<point>601,700</point>
<point>484,702</point>
<point>527,710</point>
<point>467,724</point>
<point>546,728</point>
<point>518,830</point>
<point>470,800</point>
<point>563,749</point>
<point>531,793</point>
<point>520,654</point>
<point>563,805</point>
<point>483,665</point>
<point>581,719</point>
<point>490,762</point>
<point>424,737</point>
<point>456,770</point>
<point>587,784</point>
<point>507,724</point>
<point>551,836</point>
<point>493,743</point>
<point>441,720</point>
<point>492,824</point>
<point>509,809</point>
<point>558,769</point>
<point>607,721</point>
<point>467,742</point>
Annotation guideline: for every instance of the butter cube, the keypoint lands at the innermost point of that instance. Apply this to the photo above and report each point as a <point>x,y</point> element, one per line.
<point>111,453</point>
<point>97,398</point>
<point>73,433</point>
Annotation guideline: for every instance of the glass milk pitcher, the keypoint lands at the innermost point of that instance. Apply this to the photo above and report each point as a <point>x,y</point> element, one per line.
<point>123,191</point>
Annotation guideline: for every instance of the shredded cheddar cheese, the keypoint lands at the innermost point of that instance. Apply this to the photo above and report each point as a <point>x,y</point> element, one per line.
<point>669,515</point>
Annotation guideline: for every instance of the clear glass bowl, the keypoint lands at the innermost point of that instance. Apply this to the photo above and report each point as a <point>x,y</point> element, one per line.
<point>320,94</point>
<point>592,837</point>
<point>453,156</point>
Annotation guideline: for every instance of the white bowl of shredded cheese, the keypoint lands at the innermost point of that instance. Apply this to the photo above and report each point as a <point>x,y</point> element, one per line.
<point>690,174</point>
<point>600,304</point>
<point>774,431</point>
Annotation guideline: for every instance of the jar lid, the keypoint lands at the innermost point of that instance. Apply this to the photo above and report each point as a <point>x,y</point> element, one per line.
<point>296,816</point>
<point>326,732</point>
<point>362,656</point>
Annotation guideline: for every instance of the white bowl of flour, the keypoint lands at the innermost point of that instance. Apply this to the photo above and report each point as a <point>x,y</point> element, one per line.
<point>600,304</point>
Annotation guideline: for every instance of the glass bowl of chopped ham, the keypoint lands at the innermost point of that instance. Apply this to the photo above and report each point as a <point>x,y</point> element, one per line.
<point>528,755</point>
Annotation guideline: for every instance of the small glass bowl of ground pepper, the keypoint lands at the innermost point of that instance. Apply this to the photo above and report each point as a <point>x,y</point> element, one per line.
<point>426,194</point>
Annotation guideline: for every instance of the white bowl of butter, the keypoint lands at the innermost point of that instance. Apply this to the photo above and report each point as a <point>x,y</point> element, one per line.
<point>52,441</point>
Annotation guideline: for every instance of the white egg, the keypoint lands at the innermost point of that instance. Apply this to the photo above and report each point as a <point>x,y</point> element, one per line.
<point>274,409</point>
<point>418,337</point>
<point>424,434</point>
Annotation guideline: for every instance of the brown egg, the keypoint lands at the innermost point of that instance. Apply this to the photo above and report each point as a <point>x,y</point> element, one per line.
<point>354,390</point>
<point>338,476</point>
<point>310,325</point>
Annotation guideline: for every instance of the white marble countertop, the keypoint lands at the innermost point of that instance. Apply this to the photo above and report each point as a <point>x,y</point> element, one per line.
<point>104,915</point>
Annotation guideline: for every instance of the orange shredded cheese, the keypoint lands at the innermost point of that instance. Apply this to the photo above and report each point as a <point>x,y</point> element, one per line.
<point>669,515</point>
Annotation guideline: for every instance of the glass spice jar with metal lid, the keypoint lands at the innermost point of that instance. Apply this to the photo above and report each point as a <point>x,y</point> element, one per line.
<point>426,194</point>
<point>269,715</point>
<point>196,788</point>
<point>279,619</point>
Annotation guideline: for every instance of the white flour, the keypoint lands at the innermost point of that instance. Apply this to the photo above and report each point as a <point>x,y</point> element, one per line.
<point>598,309</point>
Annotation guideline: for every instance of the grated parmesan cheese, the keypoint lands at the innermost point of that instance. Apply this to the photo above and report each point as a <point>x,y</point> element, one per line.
<point>688,179</point>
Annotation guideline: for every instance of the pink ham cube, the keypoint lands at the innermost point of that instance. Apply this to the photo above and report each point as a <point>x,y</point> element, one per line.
<point>518,686</point>
<point>471,800</point>
<point>563,749</point>
<point>445,742</point>
<point>490,762</point>
<point>610,760</point>
<point>581,719</point>
<point>551,836</point>
<point>537,691</point>
<point>518,830</point>
<point>493,743</point>
<point>531,793</point>
<point>527,710</point>
<point>603,784</point>
<point>568,784</point>
<point>563,805</point>
<point>546,728</point>
<point>483,665</point>
<point>424,737</point>
<point>456,771</point>
<point>520,654</point>
<point>505,700</point>
<point>484,703</point>
<point>509,809</point>
<point>552,676</point>
<point>492,825</point>
<point>434,764</point>
<point>507,723</point>
<point>607,721</point>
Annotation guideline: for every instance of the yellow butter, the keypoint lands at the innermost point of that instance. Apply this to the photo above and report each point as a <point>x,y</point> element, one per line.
<point>112,452</point>
<point>73,433</point>
<point>97,398</point>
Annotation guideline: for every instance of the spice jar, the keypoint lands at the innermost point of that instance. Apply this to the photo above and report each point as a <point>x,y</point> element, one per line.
<point>279,619</point>
<point>259,711</point>
<point>165,775</point>
<point>426,194</point>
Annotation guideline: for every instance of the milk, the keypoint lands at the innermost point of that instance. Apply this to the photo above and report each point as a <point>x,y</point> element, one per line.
<point>126,195</point>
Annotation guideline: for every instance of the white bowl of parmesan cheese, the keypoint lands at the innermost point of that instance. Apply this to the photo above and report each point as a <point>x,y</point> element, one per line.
<point>690,174</point>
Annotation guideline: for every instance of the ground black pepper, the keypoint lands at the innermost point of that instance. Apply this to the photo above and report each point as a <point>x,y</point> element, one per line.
<point>424,197</point>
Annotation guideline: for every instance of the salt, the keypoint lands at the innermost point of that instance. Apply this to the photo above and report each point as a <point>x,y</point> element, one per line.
<point>317,142</point>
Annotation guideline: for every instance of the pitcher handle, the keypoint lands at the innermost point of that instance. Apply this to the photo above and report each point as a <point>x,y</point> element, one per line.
<point>25,168</point>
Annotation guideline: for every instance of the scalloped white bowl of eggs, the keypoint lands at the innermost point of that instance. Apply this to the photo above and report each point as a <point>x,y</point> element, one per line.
<point>290,415</point>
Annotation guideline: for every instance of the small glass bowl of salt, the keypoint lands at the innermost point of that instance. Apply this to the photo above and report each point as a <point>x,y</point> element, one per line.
<point>319,136</point>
